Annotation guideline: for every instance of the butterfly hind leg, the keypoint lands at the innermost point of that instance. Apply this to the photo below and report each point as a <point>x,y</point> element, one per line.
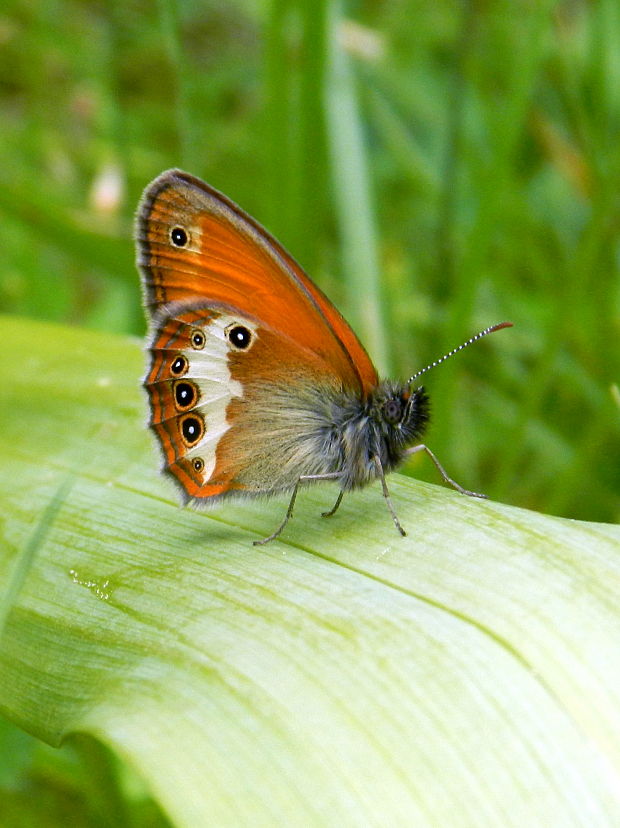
<point>334,508</point>
<point>289,512</point>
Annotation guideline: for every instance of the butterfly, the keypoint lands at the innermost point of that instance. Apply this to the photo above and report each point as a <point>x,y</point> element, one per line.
<point>256,383</point>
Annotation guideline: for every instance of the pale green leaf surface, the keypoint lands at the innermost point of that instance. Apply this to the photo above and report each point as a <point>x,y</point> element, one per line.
<point>465,675</point>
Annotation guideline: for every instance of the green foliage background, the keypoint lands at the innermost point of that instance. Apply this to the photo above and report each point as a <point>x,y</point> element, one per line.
<point>436,167</point>
<point>470,151</point>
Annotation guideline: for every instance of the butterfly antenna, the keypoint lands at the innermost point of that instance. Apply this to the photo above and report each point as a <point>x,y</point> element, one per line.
<point>475,338</point>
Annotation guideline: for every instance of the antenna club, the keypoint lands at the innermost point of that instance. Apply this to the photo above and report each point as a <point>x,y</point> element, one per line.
<point>472,339</point>
<point>497,327</point>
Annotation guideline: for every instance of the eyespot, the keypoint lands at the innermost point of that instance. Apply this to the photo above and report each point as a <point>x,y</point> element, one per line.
<point>179,366</point>
<point>239,337</point>
<point>198,339</point>
<point>198,464</point>
<point>192,429</point>
<point>393,411</point>
<point>185,395</point>
<point>179,237</point>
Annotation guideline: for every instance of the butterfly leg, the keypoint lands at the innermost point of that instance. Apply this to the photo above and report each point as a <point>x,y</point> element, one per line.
<point>289,512</point>
<point>386,494</point>
<point>442,471</point>
<point>334,508</point>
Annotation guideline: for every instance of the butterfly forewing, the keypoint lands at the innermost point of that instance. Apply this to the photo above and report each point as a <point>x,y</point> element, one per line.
<point>221,255</point>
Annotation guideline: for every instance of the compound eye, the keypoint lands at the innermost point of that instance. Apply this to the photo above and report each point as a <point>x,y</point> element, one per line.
<point>393,411</point>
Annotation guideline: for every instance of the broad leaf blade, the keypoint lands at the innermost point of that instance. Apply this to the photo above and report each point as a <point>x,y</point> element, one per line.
<point>465,675</point>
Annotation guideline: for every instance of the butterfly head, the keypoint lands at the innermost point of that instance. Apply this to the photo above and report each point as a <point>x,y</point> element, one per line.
<point>399,414</point>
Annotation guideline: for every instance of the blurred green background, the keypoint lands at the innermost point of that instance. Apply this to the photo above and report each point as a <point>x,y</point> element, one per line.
<point>435,166</point>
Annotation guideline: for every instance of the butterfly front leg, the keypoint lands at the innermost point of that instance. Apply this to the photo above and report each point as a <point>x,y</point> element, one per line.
<point>289,512</point>
<point>444,475</point>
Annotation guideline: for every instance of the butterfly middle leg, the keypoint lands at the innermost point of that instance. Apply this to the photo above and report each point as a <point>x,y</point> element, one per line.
<point>386,494</point>
<point>289,512</point>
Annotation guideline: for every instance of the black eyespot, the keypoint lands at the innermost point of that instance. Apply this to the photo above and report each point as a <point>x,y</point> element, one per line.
<point>198,339</point>
<point>198,464</point>
<point>393,411</point>
<point>179,237</point>
<point>240,337</point>
<point>185,394</point>
<point>179,366</point>
<point>192,429</point>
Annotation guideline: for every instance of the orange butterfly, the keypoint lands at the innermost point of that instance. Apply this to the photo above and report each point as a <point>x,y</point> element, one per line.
<point>256,382</point>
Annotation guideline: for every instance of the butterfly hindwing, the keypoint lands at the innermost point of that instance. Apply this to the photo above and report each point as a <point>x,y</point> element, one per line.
<point>190,387</point>
<point>237,408</point>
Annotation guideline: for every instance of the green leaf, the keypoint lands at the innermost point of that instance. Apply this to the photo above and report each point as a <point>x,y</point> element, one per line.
<point>467,674</point>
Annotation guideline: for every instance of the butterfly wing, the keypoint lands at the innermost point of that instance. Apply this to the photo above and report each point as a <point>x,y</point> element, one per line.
<point>247,354</point>
<point>237,407</point>
<point>229,258</point>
